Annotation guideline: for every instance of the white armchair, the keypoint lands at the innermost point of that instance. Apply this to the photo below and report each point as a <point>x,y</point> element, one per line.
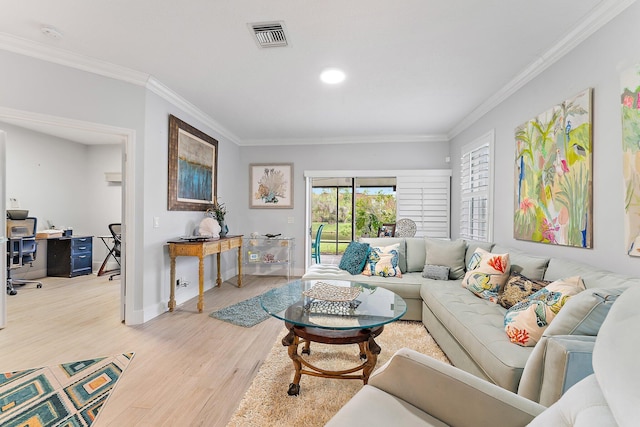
<point>414,390</point>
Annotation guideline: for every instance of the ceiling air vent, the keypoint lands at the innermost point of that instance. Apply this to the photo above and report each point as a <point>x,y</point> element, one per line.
<point>269,34</point>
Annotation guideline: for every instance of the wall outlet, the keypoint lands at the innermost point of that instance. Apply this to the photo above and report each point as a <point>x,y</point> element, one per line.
<point>181,283</point>
<point>290,220</point>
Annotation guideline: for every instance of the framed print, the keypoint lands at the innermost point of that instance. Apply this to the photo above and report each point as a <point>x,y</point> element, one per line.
<point>193,166</point>
<point>271,185</point>
<point>387,230</point>
<point>553,175</point>
<point>630,100</point>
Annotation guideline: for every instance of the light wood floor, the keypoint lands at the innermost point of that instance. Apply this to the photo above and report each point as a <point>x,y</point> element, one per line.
<point>189,369</point>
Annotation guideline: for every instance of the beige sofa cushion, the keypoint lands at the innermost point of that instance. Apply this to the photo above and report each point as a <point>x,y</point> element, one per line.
<point>416,253</point>
<point>478,326</point>
<point>583,405</point>
<point>615,358</point>
<point>449,253</point>
<point>533,267</point>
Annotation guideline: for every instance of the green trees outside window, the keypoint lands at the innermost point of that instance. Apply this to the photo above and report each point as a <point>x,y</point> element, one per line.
<point>332,206</point>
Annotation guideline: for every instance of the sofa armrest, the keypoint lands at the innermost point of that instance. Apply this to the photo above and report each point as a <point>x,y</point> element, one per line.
<point>557,363</point>
<point>450,394</point>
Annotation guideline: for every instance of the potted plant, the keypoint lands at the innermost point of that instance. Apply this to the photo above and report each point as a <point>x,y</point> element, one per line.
<point>219,210</point>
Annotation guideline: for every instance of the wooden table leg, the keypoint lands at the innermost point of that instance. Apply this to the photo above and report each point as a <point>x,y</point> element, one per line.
<point>172,287</point>
<point>291,341</point>
<point>201,284</point>
<point>240,266</point>
<point>372,350</point>
<point>219,279</point>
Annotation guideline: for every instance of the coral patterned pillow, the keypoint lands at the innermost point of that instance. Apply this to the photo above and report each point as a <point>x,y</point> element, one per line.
<point>527,320</point>
<point>486,274</point>
<point>383,262</point>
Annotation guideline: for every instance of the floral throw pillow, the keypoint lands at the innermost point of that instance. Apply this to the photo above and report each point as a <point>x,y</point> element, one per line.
<point>517,288</point>
<point>354,258</point>
<point>383,262</point>
<point>527,320</point>
<point>486,274</point>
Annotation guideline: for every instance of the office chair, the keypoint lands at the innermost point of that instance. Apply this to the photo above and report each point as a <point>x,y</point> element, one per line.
<point>21,249</point>
<point>315,245</point>
<point>116,232</point>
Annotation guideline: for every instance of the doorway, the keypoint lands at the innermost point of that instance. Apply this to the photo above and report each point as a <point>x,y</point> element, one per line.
<point>124,138</point>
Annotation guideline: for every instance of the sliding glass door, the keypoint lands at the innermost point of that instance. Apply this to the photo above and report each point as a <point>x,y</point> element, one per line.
<point>345,217</point>
<point>332,206</point>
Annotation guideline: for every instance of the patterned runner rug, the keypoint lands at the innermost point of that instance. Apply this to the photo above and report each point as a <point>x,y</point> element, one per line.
<point>66,395</point>
<point>249,312</point>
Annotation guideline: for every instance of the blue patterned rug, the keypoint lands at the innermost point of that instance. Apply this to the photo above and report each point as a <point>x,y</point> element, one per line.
<point>66,395</point>
<point>249,312</point>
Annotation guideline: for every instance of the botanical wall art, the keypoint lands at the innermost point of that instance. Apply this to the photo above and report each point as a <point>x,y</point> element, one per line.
<point>553,175</point>
<point>193,165</point>
<point>630,98</point>
<point>271,185</point>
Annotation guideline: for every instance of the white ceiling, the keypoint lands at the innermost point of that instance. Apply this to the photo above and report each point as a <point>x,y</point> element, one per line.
<point>417,70</point>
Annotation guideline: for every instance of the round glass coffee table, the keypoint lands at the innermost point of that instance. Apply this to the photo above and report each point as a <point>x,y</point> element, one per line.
<point>333,312</point>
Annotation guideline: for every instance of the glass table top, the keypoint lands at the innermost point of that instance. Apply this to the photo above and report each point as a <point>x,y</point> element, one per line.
<point>332,304</point>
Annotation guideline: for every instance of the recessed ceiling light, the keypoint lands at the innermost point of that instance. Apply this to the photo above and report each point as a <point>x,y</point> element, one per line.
<point>332,76</point>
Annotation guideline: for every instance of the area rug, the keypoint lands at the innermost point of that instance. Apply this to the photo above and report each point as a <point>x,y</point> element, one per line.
<point>249,312</point>
<point>267,403</point>
<point>66,395</point>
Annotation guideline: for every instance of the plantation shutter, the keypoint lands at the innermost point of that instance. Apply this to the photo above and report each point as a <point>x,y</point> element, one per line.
<point>425,198</point>
<point>475,183</point>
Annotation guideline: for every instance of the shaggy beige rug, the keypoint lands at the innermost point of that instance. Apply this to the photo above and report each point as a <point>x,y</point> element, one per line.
<point>266,403</point>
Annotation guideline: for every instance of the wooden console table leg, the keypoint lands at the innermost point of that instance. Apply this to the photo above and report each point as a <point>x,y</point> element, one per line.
<point>219,279</point>
<point>201,284</point>
<point>240,266</point>
<point>172,287</point>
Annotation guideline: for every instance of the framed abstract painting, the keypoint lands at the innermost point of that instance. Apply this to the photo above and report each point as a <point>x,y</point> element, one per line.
<point>553,175</point>
<point>271,185</point>
<point>630,100</point>
<point>192,170</point>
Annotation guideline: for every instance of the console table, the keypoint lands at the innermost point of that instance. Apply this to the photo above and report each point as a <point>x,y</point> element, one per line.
<point>201,249</point>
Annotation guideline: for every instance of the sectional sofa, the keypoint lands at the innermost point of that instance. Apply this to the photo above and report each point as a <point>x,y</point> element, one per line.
<point>402,391</point>
<point>470,330</point>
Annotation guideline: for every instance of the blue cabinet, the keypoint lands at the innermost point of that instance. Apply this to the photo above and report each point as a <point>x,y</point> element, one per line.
<point>70,256</point>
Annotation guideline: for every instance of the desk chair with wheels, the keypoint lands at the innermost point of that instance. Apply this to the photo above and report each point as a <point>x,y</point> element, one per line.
<point>21,249</point>
<point>315,245</point>
<point>116,232</point>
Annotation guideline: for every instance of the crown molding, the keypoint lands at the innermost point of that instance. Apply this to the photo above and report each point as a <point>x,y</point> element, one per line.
<point>69,59</point>
<point>157,87</point>
<point>106,69</point>
<point>597,18</point>
<point>372,139</point>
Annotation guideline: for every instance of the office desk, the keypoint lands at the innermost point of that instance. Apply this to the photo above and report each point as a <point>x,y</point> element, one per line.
<point>202,249</point>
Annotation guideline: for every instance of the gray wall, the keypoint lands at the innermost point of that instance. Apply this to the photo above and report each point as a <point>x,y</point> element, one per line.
<point>63,183</point>
<point>348,157</point>
<point>595,63</point>
<point>156,270</point>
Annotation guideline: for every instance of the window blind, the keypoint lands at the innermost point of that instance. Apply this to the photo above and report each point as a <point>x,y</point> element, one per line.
<point>425,199</point>
<point>475,183</point>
